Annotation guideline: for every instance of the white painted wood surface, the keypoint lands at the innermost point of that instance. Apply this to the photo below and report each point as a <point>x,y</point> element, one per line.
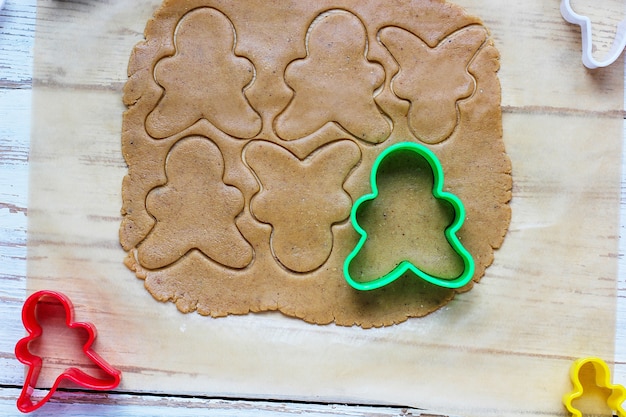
<point>124,405</point>
<point>17,22</point>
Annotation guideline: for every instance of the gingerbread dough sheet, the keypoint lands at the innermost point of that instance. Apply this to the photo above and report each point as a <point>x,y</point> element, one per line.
<point>548,297</point>
<point>252,127</point>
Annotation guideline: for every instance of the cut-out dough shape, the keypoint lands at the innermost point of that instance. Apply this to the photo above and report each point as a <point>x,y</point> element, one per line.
<point>334,83</point>
<point>602,379</point>
<point>311,196</point>
<point>195,210</point>
<point>214,80</point>
<point>442,74</point>
<point>401,266</point>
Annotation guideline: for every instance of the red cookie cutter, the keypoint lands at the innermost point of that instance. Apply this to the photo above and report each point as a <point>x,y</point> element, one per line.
<point>34,363</point>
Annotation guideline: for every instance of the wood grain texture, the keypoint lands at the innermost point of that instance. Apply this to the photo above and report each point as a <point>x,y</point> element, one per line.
<point>73,404</point>
<point>17,25</point>
<point>526,112</point>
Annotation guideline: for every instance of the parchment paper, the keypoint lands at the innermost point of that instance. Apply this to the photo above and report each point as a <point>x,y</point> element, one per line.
<point>504,348</point>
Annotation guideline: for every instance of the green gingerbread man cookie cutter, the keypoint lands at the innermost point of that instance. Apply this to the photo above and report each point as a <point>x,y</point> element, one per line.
<point>450,231</point>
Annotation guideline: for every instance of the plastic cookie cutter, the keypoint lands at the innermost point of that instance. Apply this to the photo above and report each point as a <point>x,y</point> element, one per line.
<point>587,45</point>
<point>110,380</point>
<point>602,380</point>
<point>450,231</point>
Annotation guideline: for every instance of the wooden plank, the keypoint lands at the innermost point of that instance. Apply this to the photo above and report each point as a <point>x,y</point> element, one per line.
<point>86,405</point>
<point>17,26</point>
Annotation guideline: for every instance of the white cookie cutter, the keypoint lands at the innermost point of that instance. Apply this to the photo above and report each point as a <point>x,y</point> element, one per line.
<point>585,27</point>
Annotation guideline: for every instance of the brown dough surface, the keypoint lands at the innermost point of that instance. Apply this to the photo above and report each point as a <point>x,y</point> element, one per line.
<point>252,127</point>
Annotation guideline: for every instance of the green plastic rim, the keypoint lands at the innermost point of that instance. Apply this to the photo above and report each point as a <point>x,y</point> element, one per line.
<point>450,231</point>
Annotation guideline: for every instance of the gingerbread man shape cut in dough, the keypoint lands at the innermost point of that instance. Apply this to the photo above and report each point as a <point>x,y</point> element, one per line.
<point>334,83</point>
<point>195,210</point>
<point>214,80</point>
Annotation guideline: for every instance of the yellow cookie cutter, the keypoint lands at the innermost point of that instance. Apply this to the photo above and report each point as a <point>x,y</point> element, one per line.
<point>602,380</point>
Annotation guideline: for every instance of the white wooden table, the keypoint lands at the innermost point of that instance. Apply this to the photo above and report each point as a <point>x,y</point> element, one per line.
<point>17,25</point>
